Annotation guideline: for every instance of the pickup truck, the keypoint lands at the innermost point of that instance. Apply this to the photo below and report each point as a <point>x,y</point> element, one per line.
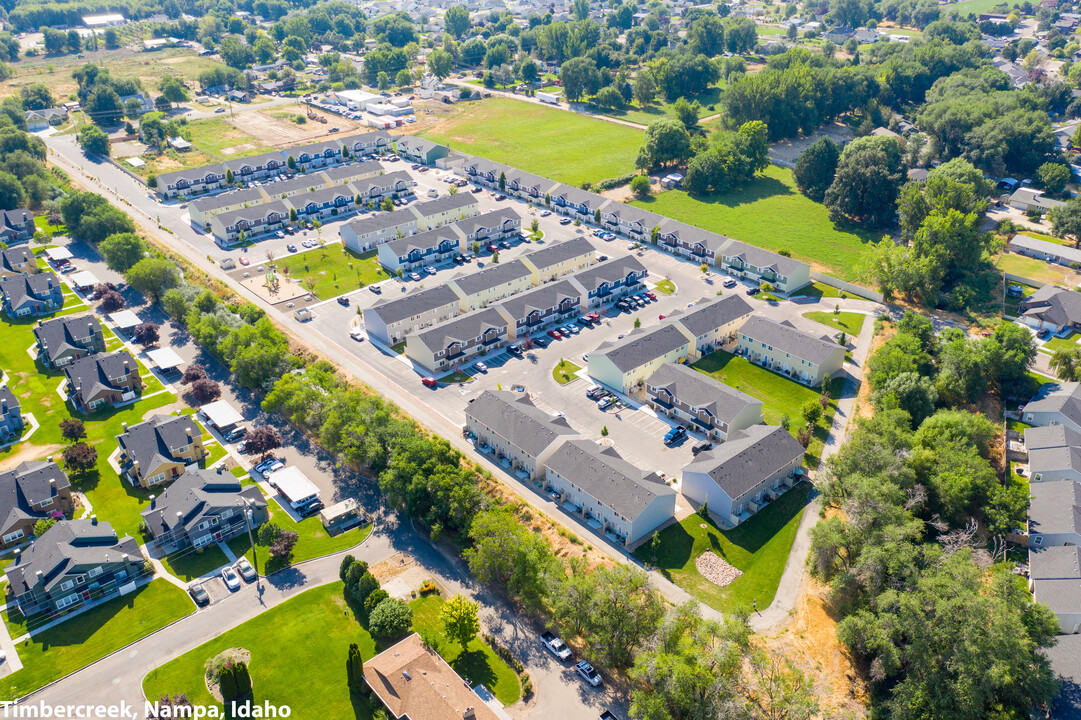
<point>609,715</point>
<point>555,646</point>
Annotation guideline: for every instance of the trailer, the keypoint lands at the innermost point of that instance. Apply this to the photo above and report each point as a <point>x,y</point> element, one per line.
<point>549,98</point>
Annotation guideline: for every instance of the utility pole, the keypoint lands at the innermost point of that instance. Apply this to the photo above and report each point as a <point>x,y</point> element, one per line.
<point>247,524</point>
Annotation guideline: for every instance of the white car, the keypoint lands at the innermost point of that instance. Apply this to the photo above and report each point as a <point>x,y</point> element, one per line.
<point>357,334</point>
<point>245,569</point>
<point>587,673</point>
<point>729,283</point>
<point>232,580</point>
<point>481,367</point>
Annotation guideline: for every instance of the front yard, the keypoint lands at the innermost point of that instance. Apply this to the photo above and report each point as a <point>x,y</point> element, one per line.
<point>847,322</point>
<point>1037,270</point>
<point>58,651</point>
<point>332,270</point>
<point>759,547</point>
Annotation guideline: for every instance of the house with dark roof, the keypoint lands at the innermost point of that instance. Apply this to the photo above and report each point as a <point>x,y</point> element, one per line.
<point>190,182</point>
<point>575,202</point>
<point>314,155</point>
<point>323,203</point>
<point>625,364</point>
<point>711,322</point>
<point>549,304</point>
<point>739,477</point>
<point>1065,657</point>
<point>16,261</point>
<point>32,491</point>
<point>16,226</point>
<point>751,263</point>
<point>1054,515</point>
<point>453,344</point>
<point>95,380</point>
<point>430,247</point>
<point>1055,404</point>
<point>1055,579</point>
<point>392,320</point>
<point>693,243</point>
<point>486,227</point>
<point>75,562</point>
<point>492,284</point>
<point>374,189</point>
<point>518,433</point>
<point>527,186</point>
<point>37,294</point>
<point>160,449</point>
<point>610,280</point>
<point>698,401</point>
<point>485,172</point>
<point>65,339</point>
<point>202,209</point>
<point>559,259</point>
<point>608,493</point>
<point>1043,250</point>
<point>1054,453</point>
<point>785,349</point>
<point>377,142</point>
<point>630,221</point>
<point>11,414</point>
<point>1051,307</point>
<point>365,233</point>
<point>254,167</point>
<point>419,150</point>
<point>203,507</point>
<point>250,221</point>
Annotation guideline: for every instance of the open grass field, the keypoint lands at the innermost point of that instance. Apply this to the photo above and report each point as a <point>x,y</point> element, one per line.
<point>334,269</point>
<point>1037,270</point>
<point>818,290</point>
<point>966,7</point>
<point>65,648</point>
<point>847,322</point>
<point>779,395</point>
<point>661,108</point>
<point>478,663</point>
<point>759,547</point>
<point>114,499</point>
<point>552,143</point>
<point>298,651</point>
<point>772,214</point>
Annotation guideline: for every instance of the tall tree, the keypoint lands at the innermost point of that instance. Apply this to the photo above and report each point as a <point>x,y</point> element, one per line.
<point>815,168</point>
<point>460,621</point>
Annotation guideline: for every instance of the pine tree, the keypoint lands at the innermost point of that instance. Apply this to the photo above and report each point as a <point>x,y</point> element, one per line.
<point>242,678</point>
<point>354,668</point>
<point>227,683</point>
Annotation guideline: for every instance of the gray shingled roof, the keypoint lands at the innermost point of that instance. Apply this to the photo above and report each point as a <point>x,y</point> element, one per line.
<point>196,494</point>
<point>58,334</point>
<point>641,346</point>
<point>382,181</point>
<point>244,195</point>
<point>192,175</point>
<point>415,303</point>
<point>158,439</point>
<point>446,203</point>
<point>749,457</point>
<point>1044,247</point>
<point>492,276</point>
<point>255,214</point>
<point>561,252</point>
<point>321,195</point>
<point>27,485</point>
<point>1052,436</point>
<point>461,329</point>
<point>9,397</point>
<point>630,214</point>
<point>422,241</point>
<point>692,234</point>
<point>1065,656</point>
<point>18,288</point>
<point>763,258</point>
<point>253,161</point>
<point>93,372</point>
<point>1053,304</point>
<point>299,184</point>
<point>70,545</point>
<point>11,257</point>
<point>606,476</point>
<point>1064,398</point>
<point>492,219</point>
<point>1056,574</point>
<point>382,221</point>
<point>367,138</point>
<point>517,420</point>
<point>609,271</point>
<point>1055,507</point>
<point>541,298</point>
<point>577,196</point>
<point>701,391</point>
<point>350,170</point>
<point>415,145</point>
<point>786,337</point>
<point>529,180</point>
<point>708,315</point>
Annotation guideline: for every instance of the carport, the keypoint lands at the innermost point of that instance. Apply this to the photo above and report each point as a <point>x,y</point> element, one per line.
<point>58,256</point>
<point>165,359</point>
<point>125,320</point>
<point>221,415</point>
<point>84,279</point>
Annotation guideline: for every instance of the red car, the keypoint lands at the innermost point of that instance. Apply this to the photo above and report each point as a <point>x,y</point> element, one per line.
<point>594,317</point>
<point>651,295</point>
<point>492,247</point>
<point>661,317</point>
<point>428,382</point>
<point>554,334</point>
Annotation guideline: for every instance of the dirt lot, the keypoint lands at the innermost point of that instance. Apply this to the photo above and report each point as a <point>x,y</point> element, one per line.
<point>274,127</point>
<point>789,150</point>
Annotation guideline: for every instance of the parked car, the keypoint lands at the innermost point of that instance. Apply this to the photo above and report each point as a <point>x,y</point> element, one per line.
<point>540,342</point>
<point>414,276</point>
<point>554,645</point>
<point>587,673</point>
<point>375,289</point>
<point>753,291</point>
<point>595,317</point>
<point>701,448</point>
<point>269,466</point>
<point>515,350</point>
<point>481,367</point>
<point>343,301</point>
<point>1042,333</point>
<point>606,402</point>
<point>595,393</point>
<point>291,247</point>
<point>491,247</point>
<point>428,382</point>
<point>651,295</point>
<point>199,594</point>
<point>236,433</point>
<point>546,213</point>
<point>245,569</point>
<point>554,334</point>
<point>244,261</point>
<point>232,580</point>
<point>357,334</point>
<point>729,283</point>
<point>310,509</point>
<point>584,321</point>
<point>565,221</point>
<point>675,435</point>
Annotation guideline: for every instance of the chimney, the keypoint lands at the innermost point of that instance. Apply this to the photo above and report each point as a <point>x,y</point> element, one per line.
<point>406,675</point>
<point>153,502</point>
<point>124,426</point>
<point>40,577</point>
<point>188,430</point>
<point>49,459</point>
<point>93,519</point>
<point>3,405</point>
<point>18,554</point>
<point>469,713</point>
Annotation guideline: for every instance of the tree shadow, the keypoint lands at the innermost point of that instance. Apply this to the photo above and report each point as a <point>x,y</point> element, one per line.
<point>473,666</point>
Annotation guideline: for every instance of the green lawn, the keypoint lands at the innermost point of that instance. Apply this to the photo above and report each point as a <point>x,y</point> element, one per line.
<point>41,222</point>
<point>71,645</point>
<point>848,322</point>
<point>334,268</point>
<point>564,372</point>
<point>1012,302</point>
<point>14,620</point>
<point>215,135</point>
<point>553,143</point>
<point>779,395</point>
<point>114,499</point>
<point>189,564</point>
<point>660,108</point>
<point>772,214</point>
<point>478,664</point>
<point>759,547</point>
<point>966,7</point>
<point>818,290</point>
<point>298,652</point>
<point>665,287</point>
<point>1034,269</point>
<point>456,377</point>
<point>1057,343</point>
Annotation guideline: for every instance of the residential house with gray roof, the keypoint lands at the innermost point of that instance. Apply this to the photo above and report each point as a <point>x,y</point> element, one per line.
<point>251,222</point>
<point>698,401</point>
<point>379,187</point>
<point>1051,307</point>
<point>419,150</point>
<point>430,247</point>
<point>159,449</point>
<point>1052,252</point>
<point>1054,515</point>
<point>33,490</point>
<point>392,320</point>
<point>1055,404</point>
<point>509,426</point>
<point>694,243</point>
<point>485,172</point>
<point>37,294</point>
<point>559,259</point>
<point>365,233</point>
<point>785,349</point>
<point>486,227</point>
<point>323,203</point>
<point>16,226</point>
<point>16,261</point>
<point>608,493</point>
<point>575,202</point>
<point>455,343</point>
<point>528,186</point>
<point>314,155</point>
<point>203,507</point>
<point>610,280</point>
<point>75,562</point>
<point>533,310</point>
<point>624,365</point>
<point>739,477</point>
<point>711,321</point>
<point>255,167</point>
<point>95,380</point>
<point>190,182</point>
<point>65,339</point>
<point>377,142</point>
<point>492,284</point>
<point>751,263</point>
<point>11,415</point>
<point>1055,579</point>
<point>630,221</point>
<point>1054,453</point>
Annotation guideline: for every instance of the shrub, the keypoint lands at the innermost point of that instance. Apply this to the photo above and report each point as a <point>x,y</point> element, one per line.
<point>391,619</point>
<point>377,596</point>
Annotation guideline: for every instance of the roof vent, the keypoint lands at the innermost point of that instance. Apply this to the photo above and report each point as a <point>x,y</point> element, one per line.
<point>406,675</point>
<point>93,519</point>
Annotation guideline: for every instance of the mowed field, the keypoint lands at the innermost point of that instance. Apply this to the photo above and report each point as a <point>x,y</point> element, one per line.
<point>772,214</point>
<point>552,143</point>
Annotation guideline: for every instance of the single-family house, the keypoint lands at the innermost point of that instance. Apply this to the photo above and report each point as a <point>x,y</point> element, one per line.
<point>695,399</point>
<point>159,449</point>
<point>392,320</point>
<point>711,322</point>
<point>74,562</point>
<point>46,117</point>
<point>738,477</point>
<point>1051,307</point>
<point>1044,250</point>
<point>103,378</point>
<point>1055,404</point>
<point>559,259</point>
<point>509,426</point>
<point>203,507</point>
<point>16,226</point>
<point>452,344</point>
<point>1027,198</point>
<point>492,284</point>
<point>37,294</point>
<point>609,494</point>
<point>783,273</point>
<point>1054,515</point>
<point>11,414</point>
<point>63,340</point>
<point>1054,453</point>
<point>610,280</point>
<point>31,491</point>
<point>18,260</point>
<point>1055,580</point>
<point>430,247</point>
<point>549,304</point>
<point>785,349</point>
<point>420,150</point>
<point>624,365</point>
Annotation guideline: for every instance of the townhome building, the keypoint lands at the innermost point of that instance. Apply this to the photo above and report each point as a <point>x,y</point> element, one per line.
<point>629,221</point>
<point>485,172</point>
<point>444,210</point>
<point>737,478</point>
<point>323,203</point>
<point>350,172</point>
<point>160,449</point>
<point>202,209</point>
<point>610,280</point>
<point>559,259</point>
<point>711,322</point>
<point>527,186</point>
<point>392,320</point>
<point>203,507</point>
<point>1054,514</point>
<point>368,232</point>
<point>314,155</point>
<point>11,415</point>
<point>490,226</point>
<point>1051,307</point>
<point>551,304</point>
<point>65,339</point>
<point>455,343</point>
<point>73,563</point>
<point>1057,403</point>
<point>33,490</point>
<point>24,295</point>
<point>520,435</point>
<point>607,492</point>
<point>1054,453</point>
<point>377,142</point>
<point>575,202</point>
<point>16,226</point>
<point>688,241</point>
<point>751,263</point>
<point>420,150</point>
<point>492,284</point>
<point>430,247</point>
<point>624,365</point>
<point>375,189</point>
<point>701,403</point>
<point>190,182</point>
<point>95,380</point>
<point>1055,580</point>
<point>785,349</point>
<point>250,222</point>
<point>254,167</point>
<point>17,261</point>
